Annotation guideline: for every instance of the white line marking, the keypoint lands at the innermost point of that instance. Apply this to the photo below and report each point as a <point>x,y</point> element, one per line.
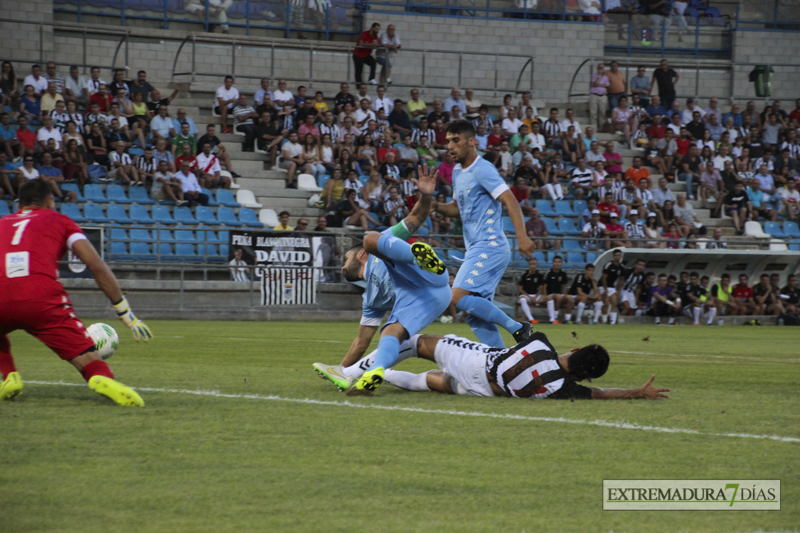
<point>763,360</point>
<point>260,339</point>
<point>601,423</point>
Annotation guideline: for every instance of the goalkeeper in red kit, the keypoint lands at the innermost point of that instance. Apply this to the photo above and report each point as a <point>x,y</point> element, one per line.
<point>32,241</point>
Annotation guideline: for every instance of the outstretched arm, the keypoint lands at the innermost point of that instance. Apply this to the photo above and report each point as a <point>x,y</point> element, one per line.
<point>646,391</point>
<point>360,344</point>
<point>526,246</point>
<point>426,185</point>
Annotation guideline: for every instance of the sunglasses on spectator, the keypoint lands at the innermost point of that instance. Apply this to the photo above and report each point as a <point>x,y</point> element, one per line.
<point>29,160</point>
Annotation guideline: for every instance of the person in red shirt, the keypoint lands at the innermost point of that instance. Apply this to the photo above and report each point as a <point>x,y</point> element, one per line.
<point>794,116</point>
<point>606,207</point>
<point>520,190</point>
<point>615,231</point>
<point>744,296</point>
<point>189,156</point>
<point>26,138</point>
<point>102,98</point>
<point>362,53</point>
<point>33,241</point>
<point>657,129</point>
<point>496,137</point>
<point>684,142</point>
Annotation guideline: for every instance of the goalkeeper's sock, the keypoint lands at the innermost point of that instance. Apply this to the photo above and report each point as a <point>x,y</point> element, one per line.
<point>407,380</point>
<point>97,368</point>
<point>6,361</point>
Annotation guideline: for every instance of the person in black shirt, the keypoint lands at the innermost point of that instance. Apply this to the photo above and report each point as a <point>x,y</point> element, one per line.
<point>556,289</point>
<point>665,77</point>
<point>767,302</point>
<point>735,205</point>
<point>217,148</point>
<point>268,137</point>
<point>643,293</point>
<point>694,300</point>
<point>437,114</point>
<point>631,280</point>
<point>267,106</point>
<point>343,97</point>
<point>696,127</point>
<point>792,302</point>
<point>531,289</point>
<point>156,101</point>
<point>608,286</point>
<point>584,290</point>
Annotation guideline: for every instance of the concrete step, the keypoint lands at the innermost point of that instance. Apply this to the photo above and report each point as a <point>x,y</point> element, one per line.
<point>248,168</point>
<point>277,203</point>
<point>273,185</point>
<point>238,155</point>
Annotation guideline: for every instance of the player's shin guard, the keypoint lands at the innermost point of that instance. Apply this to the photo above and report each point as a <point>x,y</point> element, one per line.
<point>6,361</point>
<point>486,310</point>
<point>526,308</point>
<point>407,380</point>
<point>97,368</point>
<point>387,352</point>
<point>486,332</point>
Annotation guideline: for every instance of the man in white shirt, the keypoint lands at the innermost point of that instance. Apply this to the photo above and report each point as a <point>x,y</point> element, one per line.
<point>712,109</point>
<point>363,115</point>
<point>47,132</point>
<point>282,97</point>
<point>686,115</point>
<point>122,166</point>
<point>36,80</point>
<point>75,87</point>
<point>511,123</point>
<point>192,192</point>
<point>166,186</point>
<point>161,126</point>
<point>94,82</point>
<point>226,98</point>
<point>537,139</point>
<point>570,121</point>
<point>258,98</point>
<point>719,161</point>
<point>239,270</point>
<point>390,44</point>
<point>292,159</point>
<point>455,100</point>
<point>382,102</point>
<point>209,170</point>
<point>473,105</point>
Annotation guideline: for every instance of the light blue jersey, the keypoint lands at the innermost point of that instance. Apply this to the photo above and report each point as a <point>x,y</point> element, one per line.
<point>379,294</point>
<point>476,191</point>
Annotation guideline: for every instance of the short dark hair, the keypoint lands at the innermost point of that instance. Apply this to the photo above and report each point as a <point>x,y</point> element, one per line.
<point>461,127</point>
<point>725,276</point>
<point>34,192</point>
<point>589,265</point>
<point>355,248</point>
<point>283,213</point>
<point>554,109</point>
<point>641,260</point>
<point>229,77</point>
<point>141,72</point>
<point>662,275</point>
<point>588,362</point>
<point>558,257</point>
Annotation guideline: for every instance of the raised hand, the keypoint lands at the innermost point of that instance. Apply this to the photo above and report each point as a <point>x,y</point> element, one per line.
<point>427,179</point>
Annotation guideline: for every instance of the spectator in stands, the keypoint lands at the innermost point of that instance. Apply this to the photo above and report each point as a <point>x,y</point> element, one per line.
<point>640,85</point>
<point>162,153</point>
<point>363,115</point>
<point>166,186</point>
<point>711,186</point>
<point>36,80</point>
<point>661,194</point>
<point>122,167</point>
<point>686,218</point>
<point>49,98</point>
<point>54,178</point>
<point>184,137</point>
<point>8,82</point>
<point>454,100</point>
<point>156,101</point>
<point>598,102</point>
<point>161,126</point>
<point>552,130</point>
<point>102,98</point>
<point>351,213</point>
<point>181,119</point>
<point>394,208</point>
<point>8,174</point>
<point>268,136</point>
<point>572,147</point>
<point>407,154</point>
<point>417,109</point>
<point>192,192</point>
<point>736,206</point>
<point>243,123</point>
<point>581,180</point>
<point>292,159</point>
<point>715,128</point>
<point>283,218</point>
<point>425,151</point>
<point>399,121</point>
<point>217,10</point>
<point>343,97</point>
<point>473,105</point>
<point>790,197</point>
<point>217,148</point>
<point>617,233</point>
<point>624,119</point>
<point>616,85</point>
<point>362,53</point>
<point>225,100</point>
<point>311,156</point>
<point>94,81</point>
<point>690,170</point>
<point>47,132</point>
<point>511,123</point>
<point>30,106</point>
<point>594,229</point>
<point>209,171</point>
<point>390,45</point>
<point>645,194</point>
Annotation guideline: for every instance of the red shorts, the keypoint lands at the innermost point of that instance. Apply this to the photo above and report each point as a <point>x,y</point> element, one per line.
<point>41,307</point>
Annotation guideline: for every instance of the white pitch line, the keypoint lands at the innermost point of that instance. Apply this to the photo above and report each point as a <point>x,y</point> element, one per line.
<point>601,423</point>
<point>260,339</point>
<point>763,360</point>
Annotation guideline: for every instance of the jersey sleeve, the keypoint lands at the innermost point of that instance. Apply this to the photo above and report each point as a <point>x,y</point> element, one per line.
<point>488,178</point>
<point>571,390</point>
<point>72,232</point>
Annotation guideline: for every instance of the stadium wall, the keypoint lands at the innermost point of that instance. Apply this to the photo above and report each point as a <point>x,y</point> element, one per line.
<point>22,40</point>
<point>768,48</point>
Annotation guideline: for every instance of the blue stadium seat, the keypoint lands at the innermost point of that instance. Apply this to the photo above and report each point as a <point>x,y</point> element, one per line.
<point>228,217</point>
<point>322,179</point>
<point>140,251</point>
<point>209,252</point>
<point>575,260</point>
<point>94,193</point>
<point>795,247</point>
<point>207,235</point>
<point>118,251</point>
<point>790,229</point>
<point>508,226</point>
<point>224,237</point>
<point>563,208</point>
<point>185,252</point>
<point>566,225</point>
<point>578,207</point>
<point>165,235</point>
<point>4,209</point>
<point>140,235</point>
<point>591,257</point>
<point>248,218</point>
<point>571,244</point>
<point>184,235</point>
<point>94,213</point>
<point>211,201</point>
<point>551,226</point>
<point>72,187</point>
<point>164,252</point>
<point>184,215</point>
<point>206,216</point>
<point>223,251</point>
<point>117,214</point>
<point>542,260</point>
<point>774,230</point>
<point>140,215</point>
<point>119,235</point>
<point>139,195</point>
<point>225,197</point>
<point>161,214</point>
<point>545,209</point>
<point>72,211</point>
<point>117,194</point>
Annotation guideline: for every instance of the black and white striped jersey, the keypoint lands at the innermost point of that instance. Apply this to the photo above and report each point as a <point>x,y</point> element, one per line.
<point>531,370</point>
<point>632,279</point>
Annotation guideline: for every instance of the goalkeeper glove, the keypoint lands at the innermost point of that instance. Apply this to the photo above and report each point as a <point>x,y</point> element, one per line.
<point>137,327</point>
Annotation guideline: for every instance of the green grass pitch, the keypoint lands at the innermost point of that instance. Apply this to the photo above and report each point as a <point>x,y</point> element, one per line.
<point>71,461</point>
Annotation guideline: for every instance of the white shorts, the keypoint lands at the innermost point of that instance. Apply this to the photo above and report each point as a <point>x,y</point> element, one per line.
<point>465,362</point>
<point>609,292</point>
<point>630,297</point>
<point>537,299</point>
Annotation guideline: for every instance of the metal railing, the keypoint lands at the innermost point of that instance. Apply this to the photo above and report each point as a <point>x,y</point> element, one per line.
<point>778,15</point>
<point>341,55</point>
<point>326,19</point>
<point>543,10</point>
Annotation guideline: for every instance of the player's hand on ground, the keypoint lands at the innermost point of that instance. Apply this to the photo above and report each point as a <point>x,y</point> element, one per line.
<point>426,183</point>
<point>652,393</point>
<point>526,246</point>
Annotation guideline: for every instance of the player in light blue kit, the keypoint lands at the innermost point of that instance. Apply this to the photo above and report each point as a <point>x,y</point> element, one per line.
<point>480,194</point>
<point>420,281</point>
<point>378,298</point>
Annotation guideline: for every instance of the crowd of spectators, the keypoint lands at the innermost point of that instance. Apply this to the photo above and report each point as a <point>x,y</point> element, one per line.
<point>79,129</point>
<point>631,291</point>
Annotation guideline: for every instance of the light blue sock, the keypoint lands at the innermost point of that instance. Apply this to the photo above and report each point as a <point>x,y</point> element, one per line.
<point>388,350</point>
<point>395,249</point>
<point>483,308</point>
<point>486,332</point>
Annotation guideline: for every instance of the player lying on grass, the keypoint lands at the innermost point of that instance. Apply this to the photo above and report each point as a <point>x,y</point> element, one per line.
<point>32,241</point>
<point>531,369</point>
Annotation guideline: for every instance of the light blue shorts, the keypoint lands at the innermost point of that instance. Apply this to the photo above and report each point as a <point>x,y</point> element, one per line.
<point>417,309</point>
<point>482,270</point>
